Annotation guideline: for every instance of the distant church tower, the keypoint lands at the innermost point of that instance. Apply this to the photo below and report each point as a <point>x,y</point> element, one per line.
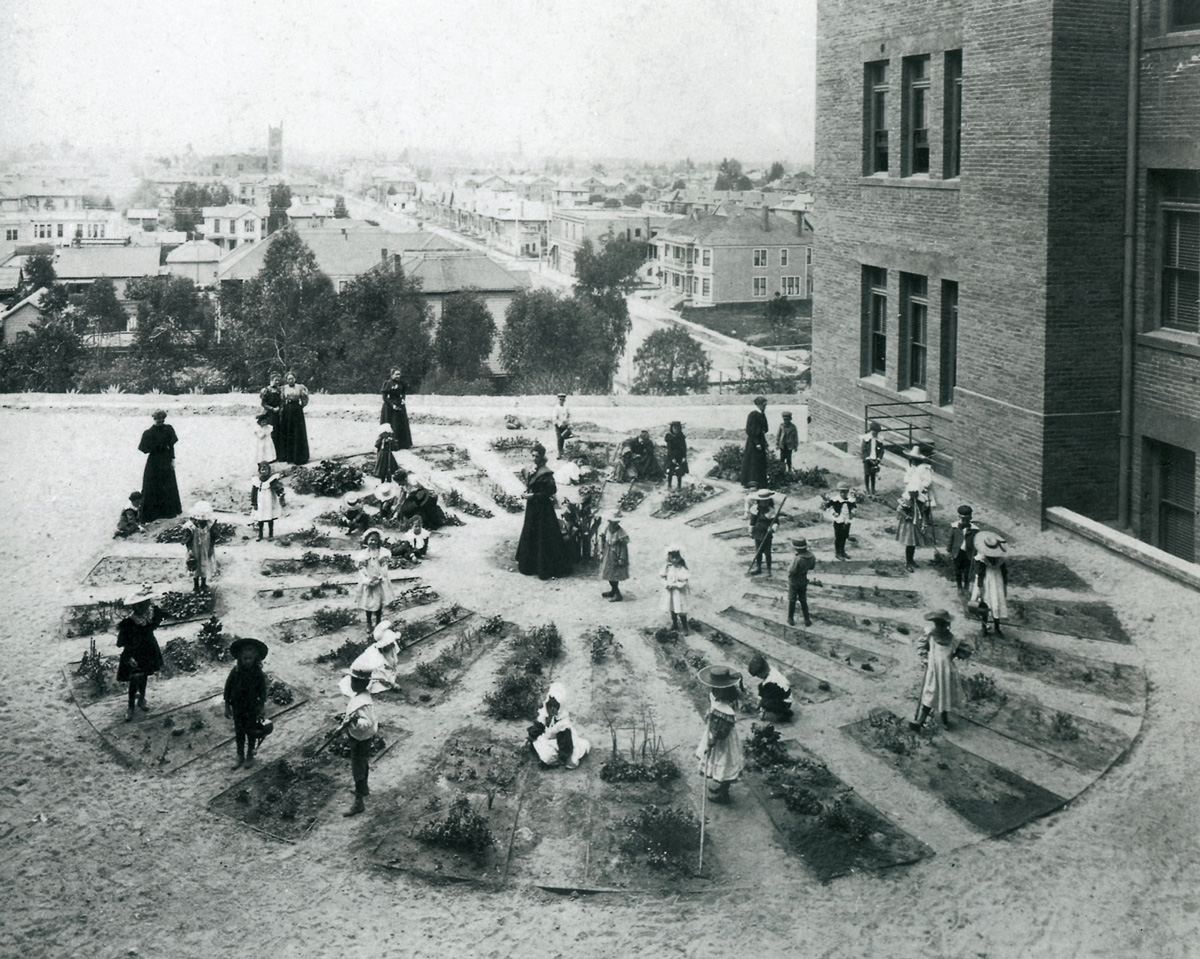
<point>275,149</point>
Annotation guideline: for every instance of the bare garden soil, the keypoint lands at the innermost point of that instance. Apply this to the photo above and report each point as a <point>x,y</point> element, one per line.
<point>835,650</point>
<point>990,797</point>
<point>130,570</point>
<point>831,616</point>
<point>1118,681</point>
<point>1095,621</point>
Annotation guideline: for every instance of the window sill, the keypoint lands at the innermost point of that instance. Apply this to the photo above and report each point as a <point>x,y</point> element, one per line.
<point>1171,341</point>
<point>920,182</point>
<point>1165,41</point>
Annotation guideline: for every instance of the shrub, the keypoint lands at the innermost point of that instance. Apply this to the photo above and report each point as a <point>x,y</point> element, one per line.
<point>544,642</point>
<point>327,478</point>
<point>199,379</point>
<point>631,500</point>
<point>764,747</point>
<point>515,698</point>
<point>345,654</point>
<point>727,462</point>
<point>331,619</point>
<point>839,818</point>
<point>463,830</point>
<point>431,674</point>
<point>279,692</point>
<point>666,836</point>
<point>980,687</point>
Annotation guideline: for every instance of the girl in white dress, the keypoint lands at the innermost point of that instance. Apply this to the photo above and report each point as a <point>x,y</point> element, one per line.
<point>677,595</point>
<point>991,580</point>
<point>942,690</point>
<point>374,582</point>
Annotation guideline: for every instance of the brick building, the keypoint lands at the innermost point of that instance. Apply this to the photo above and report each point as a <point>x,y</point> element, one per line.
<point>972,156</point>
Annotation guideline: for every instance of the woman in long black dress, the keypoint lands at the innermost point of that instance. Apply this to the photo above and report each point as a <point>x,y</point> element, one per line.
<point>271,397</point>
<point>293,434</point>
<point>754,459</point>
<point>160,492</point>
<point>542,549</point>
<point>395,410</point>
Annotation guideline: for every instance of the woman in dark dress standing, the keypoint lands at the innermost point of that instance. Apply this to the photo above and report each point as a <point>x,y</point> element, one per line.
<point>271,397</point>
<point>754,459</point>
<point>293,434</point>
<point>395,411</point>
<point>542,549</point>
<point>160,492</point>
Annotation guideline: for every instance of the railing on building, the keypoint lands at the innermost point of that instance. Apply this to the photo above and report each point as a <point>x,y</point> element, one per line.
<point>909,424</point>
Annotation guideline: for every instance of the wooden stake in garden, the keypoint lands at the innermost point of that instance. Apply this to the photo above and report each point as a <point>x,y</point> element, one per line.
<point>704,786</point>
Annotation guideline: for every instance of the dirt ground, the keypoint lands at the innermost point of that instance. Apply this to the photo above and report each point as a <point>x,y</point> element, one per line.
<point>97,859</point>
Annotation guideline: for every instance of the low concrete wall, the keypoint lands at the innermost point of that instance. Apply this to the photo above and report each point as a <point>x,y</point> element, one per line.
<point>1125,545</point>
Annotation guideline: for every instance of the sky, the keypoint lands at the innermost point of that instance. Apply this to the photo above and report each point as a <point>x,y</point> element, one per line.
<point>653,79</point>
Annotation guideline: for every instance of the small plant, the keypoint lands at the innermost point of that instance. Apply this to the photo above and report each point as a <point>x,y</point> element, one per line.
<point>799,799</point>
<point>666,635</point>
<point>492,625</point>
<point>463,829</point>
<point>621,770</point>
<point>980,687</point>
<point>221,533</point>
<point>631,500</point>
<point>185,605</point>
<point>95,669</point>
<point>667,837</point>
<point>411,633</point>
<point>280,693</point>
<point>764,747</point>
<point>328,478</point>
<point>1064,727</point>
<point>345,654</point>
<point>431,674</point>
<point>814,477</point>
<point>449,615</point>
<point>309,537</point>
<point>179,655</point>
<point>676,501</point>
<point>838,818</point>
<point>502,443</point>
<point>338,562</point>
<point>543,642</point>
<point>601,643</point>
<point>515,698</point>
<point>513,504</point>
<point>331,619</point>
<point>212,639</point>
<point>889,736</point>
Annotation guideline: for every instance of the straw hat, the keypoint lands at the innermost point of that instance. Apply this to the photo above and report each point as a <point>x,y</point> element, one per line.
<point>236,647</point>
<point>939,616</point>
<point>363,667</point>
<point>384,627</point>
<point>916,456</point>
<point>993,545</point>
<point>799,544</point>
<point>719,677</point>
<point>765,494</point>
<point>142,594</point>
<point>385,492</point>
<point>352,498</point>
<point>201,509</point>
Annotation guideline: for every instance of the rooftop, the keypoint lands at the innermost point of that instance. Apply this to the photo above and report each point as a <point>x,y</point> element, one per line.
<point>89,262</point>
<point>736,230</point>
<point>195,251</point>
<point>457,272</point>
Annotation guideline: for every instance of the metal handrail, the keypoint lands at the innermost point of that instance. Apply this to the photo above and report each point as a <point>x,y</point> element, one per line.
<point>904,419</point>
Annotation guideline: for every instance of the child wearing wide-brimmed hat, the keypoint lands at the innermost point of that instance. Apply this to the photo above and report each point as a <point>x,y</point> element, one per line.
<point>140,652</point>
<point>677,593</point>
<point>991,579</point>
<point>677,453</point>
<point>361,725</point>
<point>614,557</point>
<point>720,747</point>
<point>201,549</point>
<point>763,524</point>
<point>246,697</point>
<point>803,563</point>
<point>942,690</point>
<point>374,589</point>
<point>787,440</point>
<point>385,443</point>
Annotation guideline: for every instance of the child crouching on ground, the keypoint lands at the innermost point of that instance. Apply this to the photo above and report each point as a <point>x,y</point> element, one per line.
<point>246,697</point>
<point>267,499</point>
<point>130,520</point>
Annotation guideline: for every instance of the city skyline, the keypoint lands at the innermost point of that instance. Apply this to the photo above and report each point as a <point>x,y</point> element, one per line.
<point>628,79</point>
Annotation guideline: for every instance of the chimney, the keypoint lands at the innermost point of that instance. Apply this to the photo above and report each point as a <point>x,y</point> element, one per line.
<point>383,257</point>
<point>766,217</point>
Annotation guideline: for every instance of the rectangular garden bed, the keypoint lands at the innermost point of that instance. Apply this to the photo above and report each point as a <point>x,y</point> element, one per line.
<point>135,570</point>
<point>87,619</point>
<point>677,502</point>
<point>828,616</point>
<point>1100,677</point>
<point>335,590</point>
<point>285,797</point>
<point>1069,617</point>
<point>844,654</point>
<point>990,797</point>
<point>823,822</point>
<point>428,676</point>
<point>723,514</point>
<point>321,564</point>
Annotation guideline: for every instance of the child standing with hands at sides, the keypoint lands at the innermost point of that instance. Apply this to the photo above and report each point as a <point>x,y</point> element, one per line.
<point>385,463</point>
<point>677,463</point>
<point>140,652</point>
<point>374,583</point>
<point>129,523</point>
<point>201,554</point>
<point>264,443</point>
<point>267,500</point>
<point>246,697</point>
<point>677,593</point>
<point>943,689</point>
<point>614,553</point>
<point>361,725</point>
<point>842,505</point>
<point>787,440</point>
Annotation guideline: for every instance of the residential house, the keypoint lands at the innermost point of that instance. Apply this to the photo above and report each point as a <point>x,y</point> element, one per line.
<point>78,267</point>
<point>735,259</point>
<point>445,273</point>
<point>197,261</point>
<point>512,225</point>
<point>230,226</point>
<point>21,316</point>
<point>569,193</point>
<point>570,227</point>
<point>605,186</point>
<point>46,211</point>
<point>145,219</point>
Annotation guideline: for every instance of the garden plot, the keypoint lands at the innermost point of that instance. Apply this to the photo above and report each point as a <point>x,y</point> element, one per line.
<point>455,819</point>
<point>408,591</point>
<point>170,737</point>
<point>845,654</point>
<point>789,523</point>
<point>822,821</point>
<point>410,634</point>
<point>1101,678</point>
<point>780,544</point>
<point>679,501</point>
<point>990,797</point>
<point>127,570</point>
<point>877,567</point>
<point>806,688</point>
<point>285,798</point>
<point>853,593</point>
<point>228,499</point>
<point>482,483</point>
<point>1030,572</point>
<point>1069,617</point>
<point>87,619</point>
<point>1073,739</point>
<point>724,514</point>
<point>828,616</point>
<point>426,677</point>
<point>443,456</point>
<point>311,537</point>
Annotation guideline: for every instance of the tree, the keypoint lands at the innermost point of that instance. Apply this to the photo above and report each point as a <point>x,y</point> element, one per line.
<point>553,342</point>
<point>37,274</point>
<point>731,177</point>
<point>284,317</point>
<point>101,308</point>
<point>465,334</point>
<point>604,280</point>
<point>671,362</point>
<point>281,200</point>
<point>779,312</point>
<point>339,208</point>
<point>680,184</point>
<point>775,173</point>
<point>44,358</point>
<point>634,200</point>
<point>594,198</point>
<point>173,318</point>
<point>384,324</point>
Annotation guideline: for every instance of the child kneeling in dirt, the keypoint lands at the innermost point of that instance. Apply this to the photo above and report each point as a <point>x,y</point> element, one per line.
<point>774,690</point>
<point>552,736</point>
<point>246,697</point>
<point>130,520</point>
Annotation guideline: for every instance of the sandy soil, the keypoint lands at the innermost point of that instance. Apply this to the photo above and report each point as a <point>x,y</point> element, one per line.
<point>98,860</point>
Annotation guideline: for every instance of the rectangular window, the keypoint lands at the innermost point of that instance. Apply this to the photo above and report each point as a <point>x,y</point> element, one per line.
<point>706,286</point>
<point>760,258</point>
<point>875,148</point>
<point>1183,14</point>
<point>949,366</point>
<point>1181,268</point>
<point>783,257</point>
<point>791,286</point>
<point>216,226</point>
<point>706,258</point>
<point>760,286</point>
<point>60,231</point>
<point>952,124</point>
<point>1172,484</point>
<point>914,333</point>
<point>874,320</point>
<point>10,234</point>
<point>248,226</point>
<point>915,119</point>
